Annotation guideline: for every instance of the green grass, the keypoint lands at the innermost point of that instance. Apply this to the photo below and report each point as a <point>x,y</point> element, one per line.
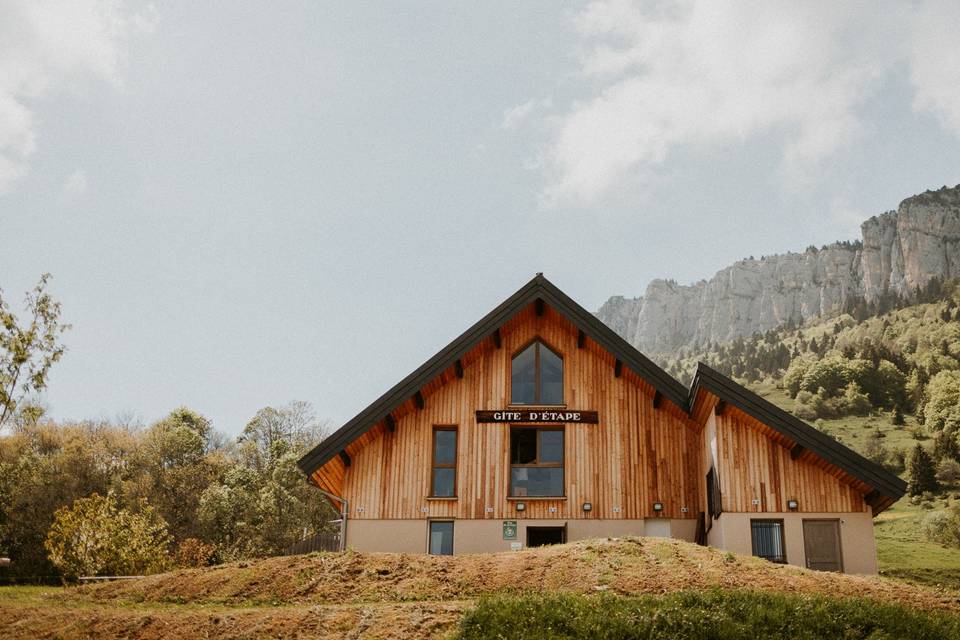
<point>727,615</point>
<point>25,595</point>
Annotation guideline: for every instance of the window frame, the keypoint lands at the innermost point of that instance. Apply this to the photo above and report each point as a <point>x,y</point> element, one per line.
<point>433,460</point>
<point>453,532</point>
<point>783,539</point>
<point>537,343</point>
<point>538,465</point>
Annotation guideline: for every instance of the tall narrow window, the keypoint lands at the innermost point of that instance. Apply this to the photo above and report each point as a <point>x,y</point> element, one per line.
<point>441,538</point>
<point>443,482</point>
<point>767,538</point>
<point>536,462</point>
<point>537,376</point>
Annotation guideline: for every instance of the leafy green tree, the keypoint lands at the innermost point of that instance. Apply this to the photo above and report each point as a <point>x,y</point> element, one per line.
<point>95,536</point>
<point>922,473</point>
<point>29,350</point>
<point>942,408</point>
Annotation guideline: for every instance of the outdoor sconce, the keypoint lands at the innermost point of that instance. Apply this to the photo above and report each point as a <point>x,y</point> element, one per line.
<point>587,506</point>
<point>521,506</point>
<point>657,507</point>
<point>792,505</point>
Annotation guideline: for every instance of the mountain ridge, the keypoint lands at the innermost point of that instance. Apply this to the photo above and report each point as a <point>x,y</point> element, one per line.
<point>899,252</point>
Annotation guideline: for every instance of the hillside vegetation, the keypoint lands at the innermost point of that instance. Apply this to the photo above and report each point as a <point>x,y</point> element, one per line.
<point>399,596</point>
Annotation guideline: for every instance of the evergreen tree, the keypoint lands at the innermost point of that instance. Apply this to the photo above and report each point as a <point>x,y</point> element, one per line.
<point>922,472</point>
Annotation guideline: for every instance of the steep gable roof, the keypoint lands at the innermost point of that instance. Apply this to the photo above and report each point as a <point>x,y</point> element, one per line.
<point>538,288</point>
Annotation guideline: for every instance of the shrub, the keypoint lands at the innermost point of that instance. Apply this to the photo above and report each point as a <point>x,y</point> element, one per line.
<point>948,471</point>
<point>95,536</point>
<point>193,552</point>
<point>943,527</point>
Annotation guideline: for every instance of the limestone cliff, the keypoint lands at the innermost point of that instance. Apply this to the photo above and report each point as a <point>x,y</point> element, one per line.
<point>898,252</point>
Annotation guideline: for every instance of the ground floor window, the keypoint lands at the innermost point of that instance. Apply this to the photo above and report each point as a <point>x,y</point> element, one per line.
<point>542,536</point>
<point>441,538</point>
<point>768,542</point>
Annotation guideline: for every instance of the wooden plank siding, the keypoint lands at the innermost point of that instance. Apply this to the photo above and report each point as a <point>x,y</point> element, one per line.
<point>755,463</point>
<point>634,456</point>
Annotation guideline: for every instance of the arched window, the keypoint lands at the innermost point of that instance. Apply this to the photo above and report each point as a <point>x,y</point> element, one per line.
<point>537,376</point>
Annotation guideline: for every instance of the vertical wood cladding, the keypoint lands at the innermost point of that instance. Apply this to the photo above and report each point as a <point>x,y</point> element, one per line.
<point>636,455</point>
<point>755,464</point>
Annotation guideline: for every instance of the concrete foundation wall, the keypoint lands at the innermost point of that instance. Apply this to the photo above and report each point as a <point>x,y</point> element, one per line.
<point>730,532</point>
<point>857,544</point>
<point>486,536</point>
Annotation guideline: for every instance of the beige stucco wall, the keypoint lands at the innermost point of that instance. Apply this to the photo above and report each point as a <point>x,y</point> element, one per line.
<point>730,532</point>
<point>857,544</point>
<point>486,536</point>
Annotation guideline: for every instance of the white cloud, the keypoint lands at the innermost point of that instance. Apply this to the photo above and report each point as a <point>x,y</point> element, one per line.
<point>692,74</point>
<point>46,46</point>
<point>517,115</point>
<point>76,183</point>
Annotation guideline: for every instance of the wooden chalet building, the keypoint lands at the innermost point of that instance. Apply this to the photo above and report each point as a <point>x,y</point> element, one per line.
<point>540,425</point>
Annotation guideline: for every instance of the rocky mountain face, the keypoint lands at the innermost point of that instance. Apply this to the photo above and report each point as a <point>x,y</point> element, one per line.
<point>898,252</point>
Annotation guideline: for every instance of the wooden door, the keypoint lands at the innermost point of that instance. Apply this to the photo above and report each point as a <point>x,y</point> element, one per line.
<point>821,543</point>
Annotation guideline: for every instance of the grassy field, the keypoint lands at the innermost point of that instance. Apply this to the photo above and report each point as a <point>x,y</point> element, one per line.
<point>660,587</point>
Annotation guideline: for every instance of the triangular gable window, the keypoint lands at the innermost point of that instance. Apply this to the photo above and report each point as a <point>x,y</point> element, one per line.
<point>537,376</point>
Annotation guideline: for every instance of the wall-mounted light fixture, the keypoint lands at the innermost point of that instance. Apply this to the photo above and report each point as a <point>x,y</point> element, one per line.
<point>588,506</point>
<point>657,507</point>
<point>792,505</point>
<point>521,506</point>
<point>684,509</point>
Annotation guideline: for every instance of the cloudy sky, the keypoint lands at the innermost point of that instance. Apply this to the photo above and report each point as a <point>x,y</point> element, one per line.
<point>244,204</point>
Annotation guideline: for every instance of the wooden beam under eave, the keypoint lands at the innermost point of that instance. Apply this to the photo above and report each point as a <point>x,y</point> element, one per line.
<point>873,499</point>
<point>458,368</point>
<point>617,368</point>
<point>345,457</point>
<point>496,337</point>
<point>657,399</point>
<point>538,306</point>
<point>721,407</point>
<point>796,451</point>
<point>390,422</point>
<point>581,338</point>
<point>418,400</point>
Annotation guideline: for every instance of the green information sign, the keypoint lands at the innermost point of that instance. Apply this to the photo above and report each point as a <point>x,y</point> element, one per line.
<point>509,529</point>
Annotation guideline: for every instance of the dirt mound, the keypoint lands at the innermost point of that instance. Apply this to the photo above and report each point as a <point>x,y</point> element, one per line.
<point>628,566</point>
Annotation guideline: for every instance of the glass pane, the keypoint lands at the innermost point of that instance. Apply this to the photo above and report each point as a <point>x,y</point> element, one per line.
<point>768,540</point>
<point>443,480</point>
<point>536,481</point>
<point>551,446</point>
<point>444,447</point>
<point>523,446</point>
<point>441,538</point>
<point>551,377</point>
<point>524,376</point>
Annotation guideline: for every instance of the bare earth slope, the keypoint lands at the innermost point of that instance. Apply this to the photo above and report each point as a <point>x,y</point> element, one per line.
<point>382,595</point>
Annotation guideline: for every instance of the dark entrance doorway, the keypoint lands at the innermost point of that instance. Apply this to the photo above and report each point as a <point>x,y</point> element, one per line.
<point>540,536</point>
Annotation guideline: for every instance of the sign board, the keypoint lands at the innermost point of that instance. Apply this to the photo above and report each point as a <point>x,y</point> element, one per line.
<point>516,546</point>
<point>509,529</point>
<point>537,415</point>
